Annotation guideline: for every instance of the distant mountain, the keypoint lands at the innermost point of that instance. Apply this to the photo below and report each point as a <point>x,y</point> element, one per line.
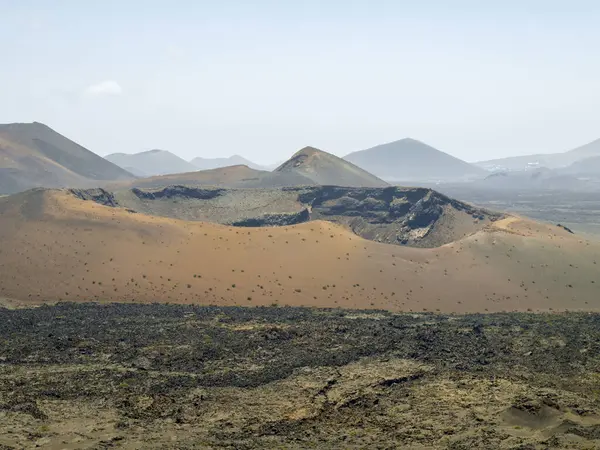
<point>307,167</point>
<point>34,155</point>
<point>326,169</point>
<point>515,163</point>
<point>541,179</point>
<point>224,177</point>
<point>584,167</point>
<point>412,160</point>
<point>152,162</point>
<point>215,163</point>
<point>549,160</point>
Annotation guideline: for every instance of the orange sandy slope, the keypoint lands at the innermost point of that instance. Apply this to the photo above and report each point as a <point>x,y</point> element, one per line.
<point>55,247</point>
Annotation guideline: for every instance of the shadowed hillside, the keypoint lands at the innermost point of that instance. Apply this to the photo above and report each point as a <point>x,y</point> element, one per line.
<point>34,155</point>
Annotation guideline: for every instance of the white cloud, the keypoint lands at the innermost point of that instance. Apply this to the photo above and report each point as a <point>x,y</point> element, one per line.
<point>104,88</point>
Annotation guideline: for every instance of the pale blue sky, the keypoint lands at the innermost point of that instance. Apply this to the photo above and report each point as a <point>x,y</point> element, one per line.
<point>264,78</point>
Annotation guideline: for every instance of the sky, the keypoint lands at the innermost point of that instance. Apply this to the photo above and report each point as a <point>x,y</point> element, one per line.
<point>476,79</point>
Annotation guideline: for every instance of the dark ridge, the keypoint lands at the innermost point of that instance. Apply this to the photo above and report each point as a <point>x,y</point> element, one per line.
<point>274,220</point>
<point>565,228</point>
<point>97,195</point>
<point>178,191</point>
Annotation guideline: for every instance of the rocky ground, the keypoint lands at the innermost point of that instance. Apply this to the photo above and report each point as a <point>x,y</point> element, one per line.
<point>159,376</point>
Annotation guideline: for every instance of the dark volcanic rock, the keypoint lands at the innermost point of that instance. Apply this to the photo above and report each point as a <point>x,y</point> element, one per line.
<point>387,214</point>
<point>565,228</point>
<point>275,220</point>
<point>178,191</point>
<point>97,195</point>
<point>298,378</point>
<point>424,212</point>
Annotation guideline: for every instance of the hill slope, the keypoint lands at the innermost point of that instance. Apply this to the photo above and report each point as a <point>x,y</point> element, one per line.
<point>226,177</point>
<point>34,155</point>
<point>587,166</point>
<point>549,160</point>
<point>326,169</point>
<point>216,163</point>
<point>409,159</point>
<point>308,167</point>
<point>416,217</point>
<point>152,162</point>
<point>82,251</point>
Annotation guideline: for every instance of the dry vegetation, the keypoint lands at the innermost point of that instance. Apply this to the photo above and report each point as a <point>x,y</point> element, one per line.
<point>160,376</point>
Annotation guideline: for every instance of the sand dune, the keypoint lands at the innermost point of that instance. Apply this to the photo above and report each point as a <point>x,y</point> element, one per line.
<point>56,247</point>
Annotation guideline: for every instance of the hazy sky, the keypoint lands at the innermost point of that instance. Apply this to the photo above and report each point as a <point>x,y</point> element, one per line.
<point>477,79</point>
